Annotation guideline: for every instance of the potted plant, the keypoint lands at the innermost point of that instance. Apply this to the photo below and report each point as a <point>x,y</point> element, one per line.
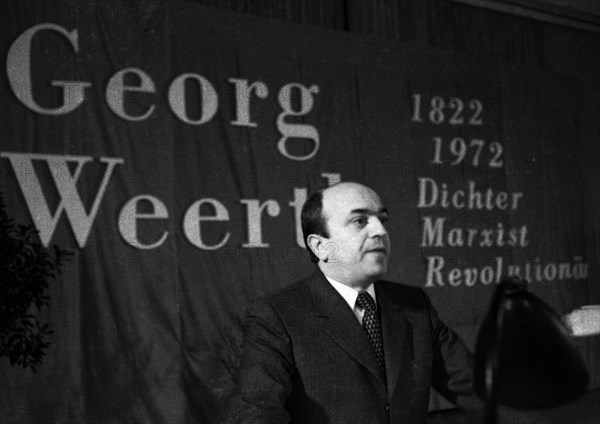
<point>26,268</point>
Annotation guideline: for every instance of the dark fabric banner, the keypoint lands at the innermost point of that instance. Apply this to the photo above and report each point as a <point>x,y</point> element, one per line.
<point>171,148</point>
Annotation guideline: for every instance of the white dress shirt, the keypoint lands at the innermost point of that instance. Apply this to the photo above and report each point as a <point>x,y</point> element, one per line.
<point>350,295</point>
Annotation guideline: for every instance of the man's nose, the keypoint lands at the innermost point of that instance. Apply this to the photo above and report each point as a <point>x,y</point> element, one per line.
<point>377,227</point>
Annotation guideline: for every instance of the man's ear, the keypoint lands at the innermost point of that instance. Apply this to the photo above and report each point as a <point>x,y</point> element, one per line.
<point>315,243</point>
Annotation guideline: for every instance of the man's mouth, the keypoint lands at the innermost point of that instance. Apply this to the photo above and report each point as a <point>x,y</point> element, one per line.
<point>382,250</point>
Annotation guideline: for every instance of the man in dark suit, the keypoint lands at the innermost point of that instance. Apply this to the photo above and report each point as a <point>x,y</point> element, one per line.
<point>344,346</point>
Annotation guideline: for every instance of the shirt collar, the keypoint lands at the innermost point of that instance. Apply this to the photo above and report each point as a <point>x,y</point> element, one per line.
<point>349,294</point>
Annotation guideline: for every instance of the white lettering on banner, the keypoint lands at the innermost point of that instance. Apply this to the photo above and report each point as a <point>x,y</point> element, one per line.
<point>439,275</point>
<point>467,276</point>
<point>551,271</point>
<point>66,185</point>
<point>479,151</point>
<point>254,220</point>
<point>461,152</point>
<point>332,177</point>
<point>243,93</point>
<point>115,92</point>
<point>193,218</point>
<point>456,111</point>
<point>431,194</point>
<point>437,234</point>
<point>296,130</point>
<point>18,70</point>
<point>129,216</point>
<point>18,67</point>
<point>208,94</point>
<point>300,195</point>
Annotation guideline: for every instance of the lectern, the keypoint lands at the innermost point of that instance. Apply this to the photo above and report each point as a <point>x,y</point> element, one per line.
<point>525,356</point>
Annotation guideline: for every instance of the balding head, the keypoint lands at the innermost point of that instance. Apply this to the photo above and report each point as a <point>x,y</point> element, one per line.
<point>353,244</point>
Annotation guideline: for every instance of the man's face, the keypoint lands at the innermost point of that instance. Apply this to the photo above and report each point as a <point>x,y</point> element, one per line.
<point>358,246</point>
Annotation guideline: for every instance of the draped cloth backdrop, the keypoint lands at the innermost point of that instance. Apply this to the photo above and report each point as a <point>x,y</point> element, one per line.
<point>170,147</point>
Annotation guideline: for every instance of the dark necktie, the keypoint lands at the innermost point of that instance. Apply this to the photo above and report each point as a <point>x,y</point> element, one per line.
<point>372,326</point>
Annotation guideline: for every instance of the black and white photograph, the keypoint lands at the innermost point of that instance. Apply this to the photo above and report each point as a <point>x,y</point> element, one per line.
<point>300,212</point>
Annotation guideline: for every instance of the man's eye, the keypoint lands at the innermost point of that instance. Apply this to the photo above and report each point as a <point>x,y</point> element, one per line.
<point>384,219</point>
<point>360,221</point>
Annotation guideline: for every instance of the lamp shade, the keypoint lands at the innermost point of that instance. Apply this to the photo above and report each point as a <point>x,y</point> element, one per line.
<point>525,356</point>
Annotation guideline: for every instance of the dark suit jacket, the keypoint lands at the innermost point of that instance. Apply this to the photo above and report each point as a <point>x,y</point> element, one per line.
<point>306,358</point>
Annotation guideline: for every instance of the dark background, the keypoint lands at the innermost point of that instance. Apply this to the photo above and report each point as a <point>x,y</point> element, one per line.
<point>153,335</point>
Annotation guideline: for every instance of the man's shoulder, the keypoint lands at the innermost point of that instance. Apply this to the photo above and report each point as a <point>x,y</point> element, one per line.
<point>399,287</point>
<point>292,295</point>
<point>402,293</point>
<point>301,289</point>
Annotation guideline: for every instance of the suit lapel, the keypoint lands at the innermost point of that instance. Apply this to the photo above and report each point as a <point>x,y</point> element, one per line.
<point>341,325</point>
<point>397,337</point>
